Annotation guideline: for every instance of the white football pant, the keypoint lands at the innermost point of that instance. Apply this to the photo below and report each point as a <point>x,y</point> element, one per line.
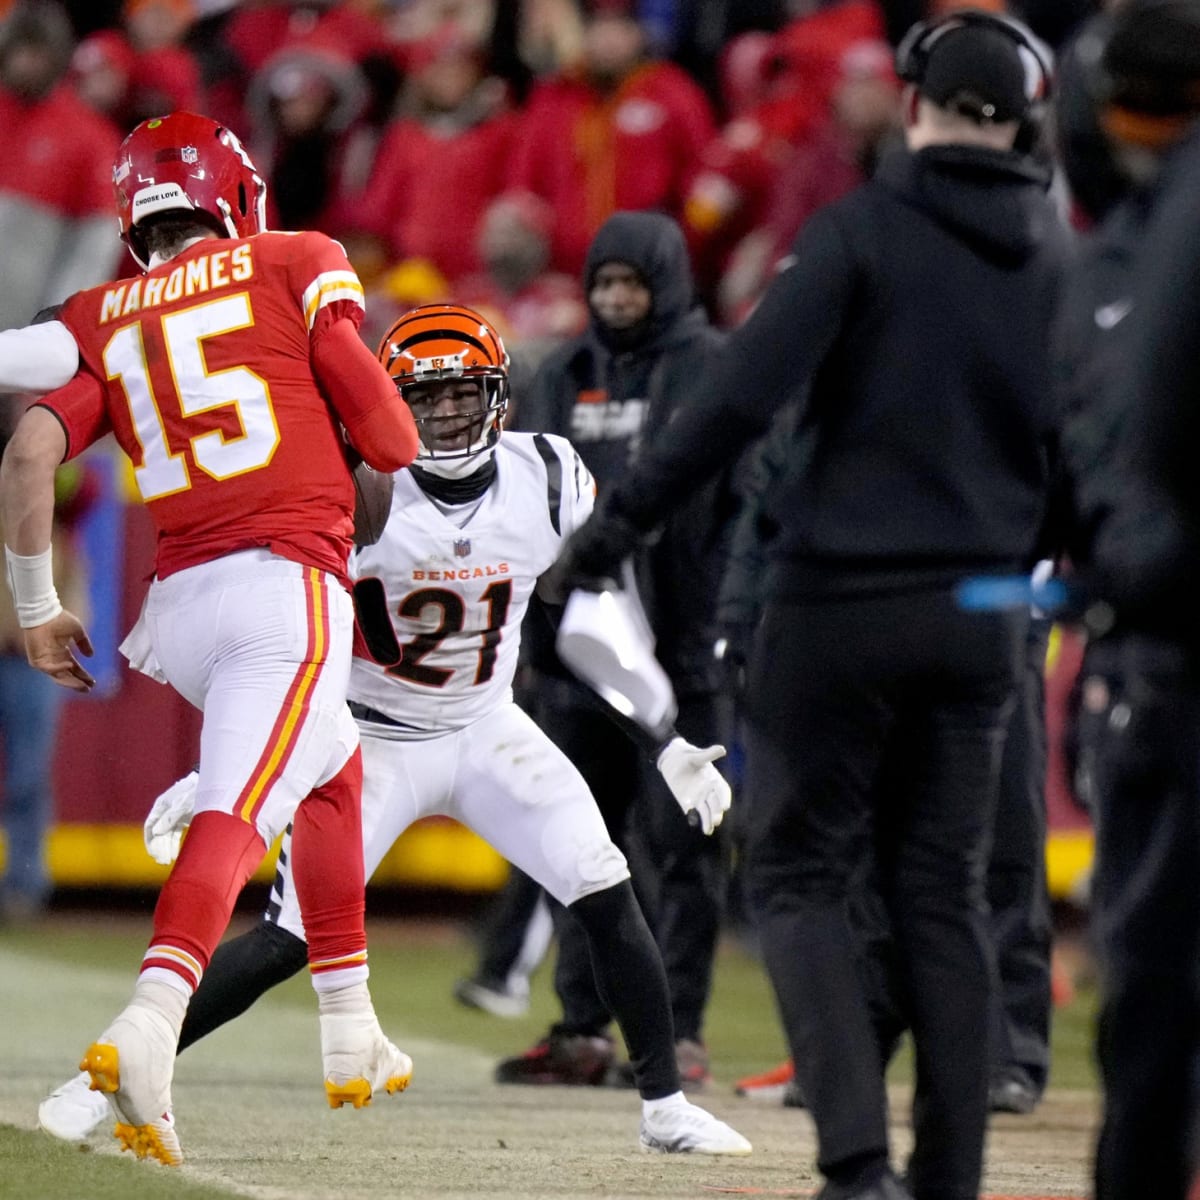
<point>263,646</point>
<point>503,778</point>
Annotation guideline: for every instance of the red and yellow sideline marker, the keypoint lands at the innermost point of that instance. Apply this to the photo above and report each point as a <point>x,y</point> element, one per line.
<point>1069,862</point>
<point>433,853</point>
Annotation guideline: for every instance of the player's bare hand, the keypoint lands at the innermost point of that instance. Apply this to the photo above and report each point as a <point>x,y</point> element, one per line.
<point>51,649</point>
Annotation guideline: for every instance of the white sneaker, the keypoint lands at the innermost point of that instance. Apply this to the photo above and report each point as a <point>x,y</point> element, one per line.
<point>359,1060</point>
<point>73,1112</point>
<point>132,1063</point>
<point>503,1001</point>
<point>683,1128</point>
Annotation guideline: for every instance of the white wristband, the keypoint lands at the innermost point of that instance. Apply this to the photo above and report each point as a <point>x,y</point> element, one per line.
<point>31,581</point>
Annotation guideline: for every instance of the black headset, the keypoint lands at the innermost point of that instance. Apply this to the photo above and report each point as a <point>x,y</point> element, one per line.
<point>912,55</point>
<point>912,59</point>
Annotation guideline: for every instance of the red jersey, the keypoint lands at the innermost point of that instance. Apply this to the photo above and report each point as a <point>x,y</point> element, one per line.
<point>210,391</point>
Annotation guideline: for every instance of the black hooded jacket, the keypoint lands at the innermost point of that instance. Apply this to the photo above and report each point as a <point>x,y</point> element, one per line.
<point>1091,344</point>
<point>917,310</point>
<point>1145,545</point>
<point>609,396</point>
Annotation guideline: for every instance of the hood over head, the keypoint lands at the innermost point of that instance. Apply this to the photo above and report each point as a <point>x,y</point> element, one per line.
<point>995,199</point>
<point>653,244</point>
<point>304,65</point>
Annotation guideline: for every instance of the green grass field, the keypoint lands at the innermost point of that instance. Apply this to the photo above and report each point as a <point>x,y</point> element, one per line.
<point>60,983</point>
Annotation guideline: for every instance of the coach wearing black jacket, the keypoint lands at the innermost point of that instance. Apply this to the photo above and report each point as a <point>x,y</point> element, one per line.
<point>917,309</point>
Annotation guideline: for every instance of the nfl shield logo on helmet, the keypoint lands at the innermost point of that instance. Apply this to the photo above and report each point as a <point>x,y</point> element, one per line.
<point>462,547</point>
<point>189,154</point>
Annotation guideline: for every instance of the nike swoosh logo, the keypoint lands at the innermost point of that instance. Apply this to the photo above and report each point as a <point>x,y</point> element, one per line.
<point>1108,316</point>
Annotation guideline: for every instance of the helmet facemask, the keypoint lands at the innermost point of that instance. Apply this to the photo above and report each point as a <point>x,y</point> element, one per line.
<point>458,416</point>
<point>451,369</point>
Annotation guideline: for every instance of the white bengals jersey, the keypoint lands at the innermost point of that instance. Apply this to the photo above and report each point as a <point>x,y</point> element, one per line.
<point>455,595</point>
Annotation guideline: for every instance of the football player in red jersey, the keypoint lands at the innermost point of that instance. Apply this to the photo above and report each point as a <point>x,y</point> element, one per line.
<point>232,374</point>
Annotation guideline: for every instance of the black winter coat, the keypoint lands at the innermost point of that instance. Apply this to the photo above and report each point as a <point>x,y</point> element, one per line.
<point>1090,345</point>
<point>609,398</point>
<point>1145,555</point>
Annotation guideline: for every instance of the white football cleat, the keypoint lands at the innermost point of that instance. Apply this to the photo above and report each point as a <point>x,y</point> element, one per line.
<point>73,1112</point>
<point>678,1127</point>
<point>359,1060</point>
<point>501,1000</point>
<point>132,1063</point>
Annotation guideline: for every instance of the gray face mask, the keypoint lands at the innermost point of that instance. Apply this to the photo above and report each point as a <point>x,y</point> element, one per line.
<point>628,337</point>
<point>1138,164</point>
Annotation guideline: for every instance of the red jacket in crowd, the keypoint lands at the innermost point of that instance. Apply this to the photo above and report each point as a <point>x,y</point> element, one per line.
<point>738,168</point>
<point>429,188</point>
<point>589,154</point>
<point>255,34</point>
<point>58,152</point>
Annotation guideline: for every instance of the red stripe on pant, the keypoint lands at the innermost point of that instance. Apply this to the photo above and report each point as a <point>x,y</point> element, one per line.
<point>293,712</point>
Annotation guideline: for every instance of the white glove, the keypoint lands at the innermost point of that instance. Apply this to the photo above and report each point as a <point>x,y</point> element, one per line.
<point>695,782</point>
<point>170,815</point>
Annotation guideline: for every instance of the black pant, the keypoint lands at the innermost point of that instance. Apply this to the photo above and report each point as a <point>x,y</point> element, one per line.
<point>1017,894</point>
<point>834,685</point>
<point>679,874</point>
<point>1146,913</point>
<point>1018,901</point>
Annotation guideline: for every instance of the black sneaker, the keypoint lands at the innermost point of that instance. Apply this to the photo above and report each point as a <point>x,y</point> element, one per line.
<point>886,1188</point>
<point>1013,1092</point>
<point>571,1059</point>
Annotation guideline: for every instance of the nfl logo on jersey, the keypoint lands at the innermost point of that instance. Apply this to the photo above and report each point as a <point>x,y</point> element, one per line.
<point>189,154</point>
<point>462,547</point>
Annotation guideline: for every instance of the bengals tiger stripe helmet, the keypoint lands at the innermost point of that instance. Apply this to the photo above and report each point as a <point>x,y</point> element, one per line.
<point>425,352</point>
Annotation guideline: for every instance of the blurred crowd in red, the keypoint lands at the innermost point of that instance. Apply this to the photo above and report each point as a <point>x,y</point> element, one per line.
<point>458,148</point>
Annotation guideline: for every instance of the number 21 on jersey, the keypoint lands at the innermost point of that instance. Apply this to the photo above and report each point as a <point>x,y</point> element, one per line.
<point>450,609</point>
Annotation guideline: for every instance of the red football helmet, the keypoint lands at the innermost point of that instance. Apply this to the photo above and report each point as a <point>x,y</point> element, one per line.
<point>187,162</point>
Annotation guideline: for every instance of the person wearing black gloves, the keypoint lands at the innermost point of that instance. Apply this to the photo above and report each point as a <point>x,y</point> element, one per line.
<point>1127,355</point>
<point>916,312</point>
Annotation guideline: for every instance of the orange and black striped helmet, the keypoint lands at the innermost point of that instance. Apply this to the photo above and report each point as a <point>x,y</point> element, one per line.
<point>451,367</point>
